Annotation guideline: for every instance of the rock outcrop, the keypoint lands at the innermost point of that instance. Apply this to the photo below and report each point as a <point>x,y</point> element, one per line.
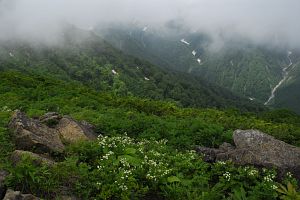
<point>17,195</point>
<point>17,156</point>
<point>39,139</point>
<point>51,119</point>
<point>253,147</point>
<point>72,131</point>
<point>32,135</point>
<point>3,188</point>
<point>45,135</point>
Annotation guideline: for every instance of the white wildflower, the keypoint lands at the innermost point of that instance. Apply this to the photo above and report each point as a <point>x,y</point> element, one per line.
<point>253,172</point>
<point>274,187</point>
<point>227,176</point>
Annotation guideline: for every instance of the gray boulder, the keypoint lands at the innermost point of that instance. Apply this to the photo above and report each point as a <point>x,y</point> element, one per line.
<point>71,130</point>
<point>3,188</point>
<point>209,154</point>
<point>32,135</point>
<point>18,155</point>
<point>17,195</point>
<point>253,147</point>
<point>51,119</point>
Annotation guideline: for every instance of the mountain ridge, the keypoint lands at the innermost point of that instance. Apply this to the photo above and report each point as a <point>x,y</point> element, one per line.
<point>246,68</point>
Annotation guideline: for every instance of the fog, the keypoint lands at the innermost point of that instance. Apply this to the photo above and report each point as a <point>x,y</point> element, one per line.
<point>274,21</point>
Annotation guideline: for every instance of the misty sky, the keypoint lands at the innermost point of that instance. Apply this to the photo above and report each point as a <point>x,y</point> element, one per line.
<point>256,19</point>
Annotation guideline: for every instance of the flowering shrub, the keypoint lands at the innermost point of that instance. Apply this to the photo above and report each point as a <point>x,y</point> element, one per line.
<point>124,168</point>
<point>129,168</point>
<point>121,167</point>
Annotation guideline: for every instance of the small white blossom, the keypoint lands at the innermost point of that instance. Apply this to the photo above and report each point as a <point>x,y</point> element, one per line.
<point>221,163</point>
<point>289,175</point>
<point>253,172</point>
<point>269,178</point>
<point>227,175</point>
<point>274,187</point>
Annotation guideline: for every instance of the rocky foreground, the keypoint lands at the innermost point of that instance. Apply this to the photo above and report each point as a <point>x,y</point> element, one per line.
<point>253,147</point>
<point>41,138</point>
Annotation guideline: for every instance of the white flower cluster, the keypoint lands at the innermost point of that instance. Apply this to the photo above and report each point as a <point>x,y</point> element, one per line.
<point>123,187</point>
<point>113,142</point>
<point>192,154</point>
<point>125,173</point>
<point>151,161</point>
<point>269,178</point>
<point>143,142</point>
<point>155,153</point>
<point>274,187</point>
<point>253,172</point>
<point>289,175</point>
<point>106,156</point>
<point>156,169</point>
<point>227,176</point>
<point>5,109</point>
<point>124,162</point>
<point>162,142</point>
<point>99,167</point>
<point>221,163</point>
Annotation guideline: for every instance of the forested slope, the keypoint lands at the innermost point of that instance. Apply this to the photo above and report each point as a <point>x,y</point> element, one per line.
<point>86,58</point>
<point>238,64</point>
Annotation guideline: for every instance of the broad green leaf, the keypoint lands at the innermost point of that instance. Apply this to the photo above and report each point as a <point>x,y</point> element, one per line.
<point>131,160</point>
<point>173,179</point>
<point>130,151</point>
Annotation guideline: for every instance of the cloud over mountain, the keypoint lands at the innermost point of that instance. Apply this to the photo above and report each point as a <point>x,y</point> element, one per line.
<point>260,20</point>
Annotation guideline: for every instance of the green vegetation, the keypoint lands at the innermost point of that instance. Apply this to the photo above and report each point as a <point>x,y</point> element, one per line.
<point>239,65</point>
<point>96,64</point>
<point>145,147</point>
<point>123,168</point>
<point>288,95</point>
<point>147,128</point>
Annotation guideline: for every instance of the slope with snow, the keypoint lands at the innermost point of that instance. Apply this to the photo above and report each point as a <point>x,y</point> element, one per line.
<point>184,41</point>
<point>194,53</point>
<point>285,76</point>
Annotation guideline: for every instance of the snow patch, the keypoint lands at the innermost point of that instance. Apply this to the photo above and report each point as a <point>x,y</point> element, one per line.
<point>285,76</point>
<point>145,28</point>
<point>146,79</point>
<point>184,41</point>
<point>290,78</point>
<point>251,98</point>
<point>194,53</point>
<point>199,61</point>
<point>114,72</point>
<point>231,62</point>
<point>11,54</point>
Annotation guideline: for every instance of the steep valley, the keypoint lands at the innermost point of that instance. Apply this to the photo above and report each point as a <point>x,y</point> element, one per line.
<point>251,70</point>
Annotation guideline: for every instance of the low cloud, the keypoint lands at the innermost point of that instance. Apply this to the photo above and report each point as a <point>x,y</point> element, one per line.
<point>274,21</point>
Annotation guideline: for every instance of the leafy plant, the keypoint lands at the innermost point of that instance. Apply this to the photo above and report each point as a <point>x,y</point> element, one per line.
<point>288,192</point>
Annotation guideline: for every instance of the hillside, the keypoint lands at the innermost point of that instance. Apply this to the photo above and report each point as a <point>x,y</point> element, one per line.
<point>238,64</point>
<point>86,58</point>
<point>149,100</point>
<point>144,122</point>
<point>81,121</point>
